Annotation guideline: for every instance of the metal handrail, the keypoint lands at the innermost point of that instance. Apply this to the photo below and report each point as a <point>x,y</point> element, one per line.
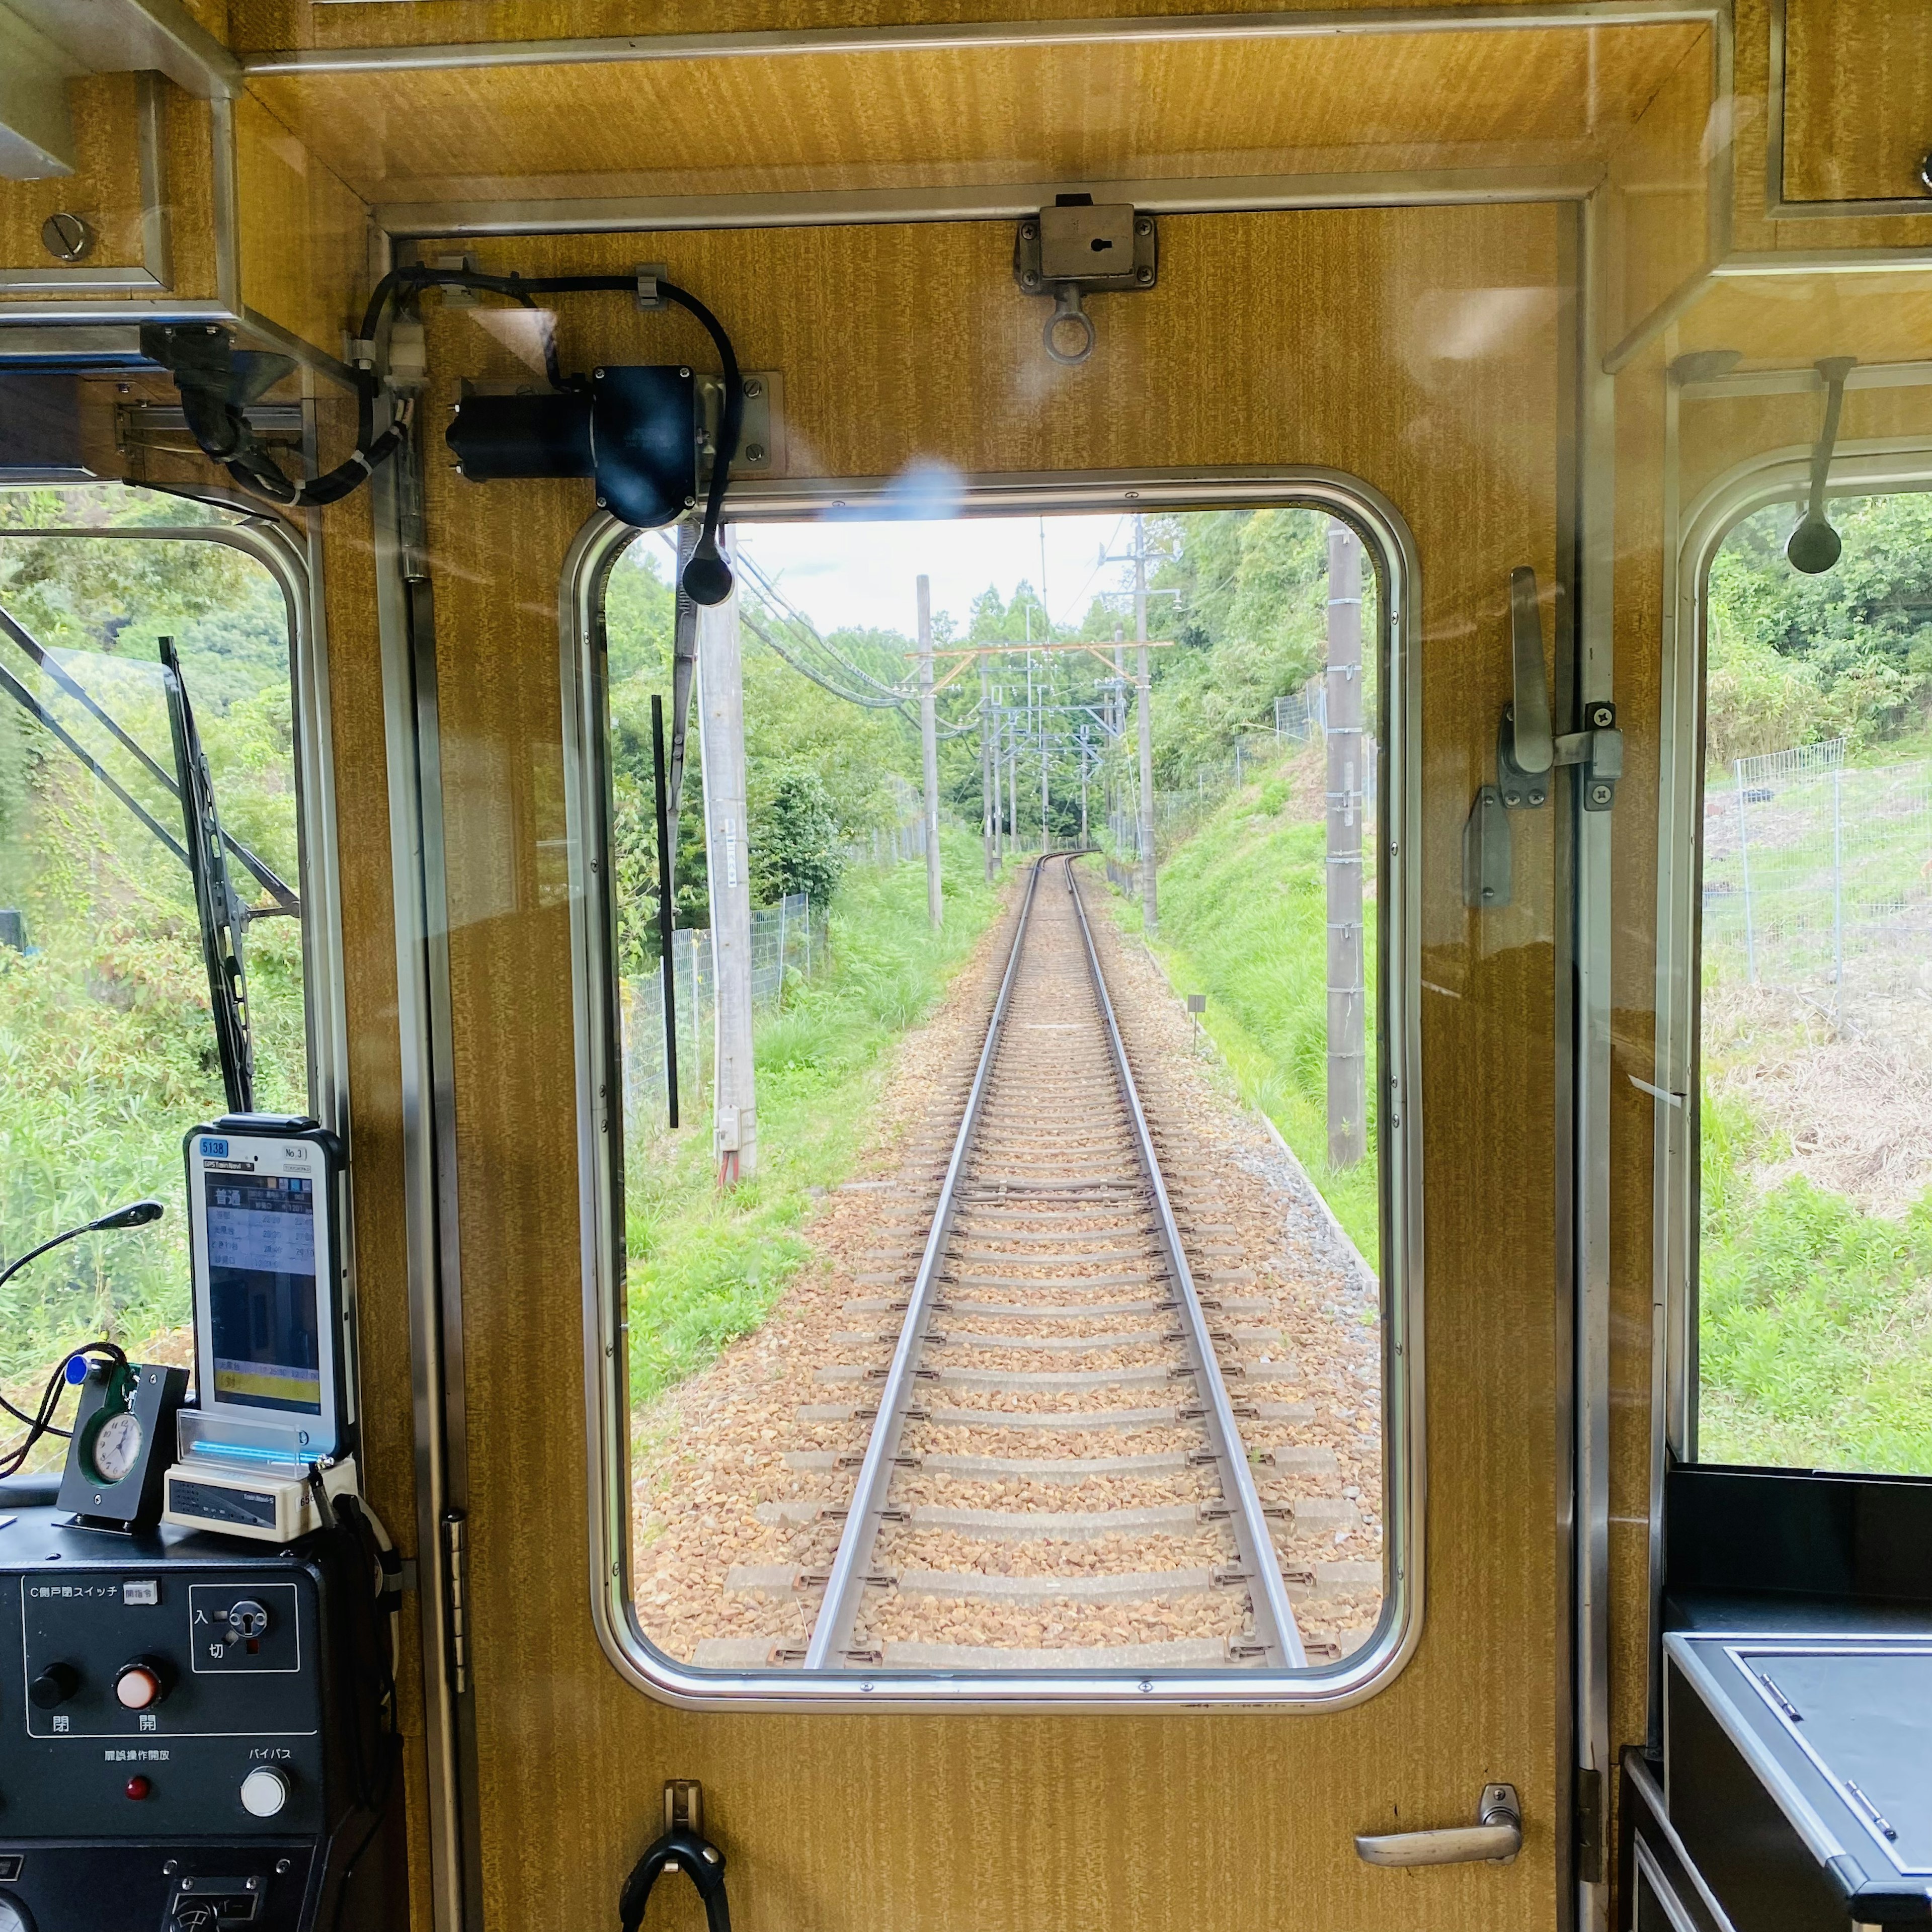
<point>831,1633</point>
<point>1274,1619</point>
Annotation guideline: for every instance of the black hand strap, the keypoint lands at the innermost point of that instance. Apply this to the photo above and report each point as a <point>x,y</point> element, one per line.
<point>682,1850</point>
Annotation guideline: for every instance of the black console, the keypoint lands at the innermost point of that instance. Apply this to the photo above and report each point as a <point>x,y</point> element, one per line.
<point>194,1733</point>
<point>1793,1790</point>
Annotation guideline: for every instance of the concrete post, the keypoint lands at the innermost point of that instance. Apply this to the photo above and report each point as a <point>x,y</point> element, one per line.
<point>928,741</point>
<point>1149,898</point>
<point>721,693</point>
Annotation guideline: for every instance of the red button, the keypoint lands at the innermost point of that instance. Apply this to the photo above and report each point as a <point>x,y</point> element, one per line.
<point>139,1787</point>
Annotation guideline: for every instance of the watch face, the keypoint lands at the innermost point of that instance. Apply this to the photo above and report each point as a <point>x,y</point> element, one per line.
<point>116,1446</point>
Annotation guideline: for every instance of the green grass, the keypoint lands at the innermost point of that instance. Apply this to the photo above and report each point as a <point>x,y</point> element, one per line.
<point>1815,1327</point>
<point>706,1267</point>
<point>1242,918</point>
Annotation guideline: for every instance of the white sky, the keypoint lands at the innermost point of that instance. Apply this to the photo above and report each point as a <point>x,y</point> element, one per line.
<point>841,572</point>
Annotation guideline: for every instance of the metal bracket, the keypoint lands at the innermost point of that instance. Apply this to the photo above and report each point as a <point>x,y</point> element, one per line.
<point>1074,249</point>
<point>1528,753</point>
<point>761,433</point>
<point>684,1805</point>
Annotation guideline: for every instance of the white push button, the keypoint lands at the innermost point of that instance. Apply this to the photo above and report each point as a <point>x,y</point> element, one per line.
<point>138,1687</point>
<point>264,1792</point>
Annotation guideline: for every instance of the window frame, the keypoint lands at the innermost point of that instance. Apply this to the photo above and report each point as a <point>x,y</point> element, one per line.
<point>1390,550</point>
<point>289,562</point>
<point>1886,467</point>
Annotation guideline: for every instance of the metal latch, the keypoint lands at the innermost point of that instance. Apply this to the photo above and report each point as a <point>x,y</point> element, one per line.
<point>1074,249</point>
<point>1528,753</point>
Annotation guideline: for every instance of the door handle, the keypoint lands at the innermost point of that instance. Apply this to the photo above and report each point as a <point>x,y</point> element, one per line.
<point>1496,1837</point>
<point>1533,749</point>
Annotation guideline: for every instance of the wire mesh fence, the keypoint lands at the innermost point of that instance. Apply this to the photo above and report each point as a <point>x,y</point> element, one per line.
<point>787,940</point>
<point>1818,874</point>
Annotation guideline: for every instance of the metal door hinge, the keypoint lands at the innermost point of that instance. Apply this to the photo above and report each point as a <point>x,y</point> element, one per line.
<point>455,1565</point>
<point>1590,1826</point>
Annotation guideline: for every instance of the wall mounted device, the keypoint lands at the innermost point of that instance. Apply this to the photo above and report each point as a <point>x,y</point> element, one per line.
<point>274,1329</point>
<point>198,1738</point>
<point>1074,249</point>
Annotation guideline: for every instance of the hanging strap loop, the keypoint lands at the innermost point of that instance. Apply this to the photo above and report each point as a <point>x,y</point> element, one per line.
<point>680,1850</point>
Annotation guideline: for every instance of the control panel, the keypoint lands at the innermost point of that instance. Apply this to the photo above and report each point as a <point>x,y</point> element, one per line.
<point>189,1741</point>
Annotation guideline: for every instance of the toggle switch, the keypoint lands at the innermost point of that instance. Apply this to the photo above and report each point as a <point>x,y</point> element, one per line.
<point>53,1687</point>
<point>141,1685</point>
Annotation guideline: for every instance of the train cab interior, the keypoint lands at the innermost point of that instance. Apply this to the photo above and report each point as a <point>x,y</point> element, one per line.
<point>965,963</point>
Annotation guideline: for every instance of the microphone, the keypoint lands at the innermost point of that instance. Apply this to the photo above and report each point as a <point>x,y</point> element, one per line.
<point>136,1214</point>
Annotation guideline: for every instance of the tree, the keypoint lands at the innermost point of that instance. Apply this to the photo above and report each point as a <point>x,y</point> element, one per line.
<point>797,848</point>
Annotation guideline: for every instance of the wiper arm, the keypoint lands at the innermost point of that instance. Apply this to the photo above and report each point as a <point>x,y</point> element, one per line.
<point>220,913</point>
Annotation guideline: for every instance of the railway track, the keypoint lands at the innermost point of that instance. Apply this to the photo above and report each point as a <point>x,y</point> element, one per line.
<point>1055,1476</point>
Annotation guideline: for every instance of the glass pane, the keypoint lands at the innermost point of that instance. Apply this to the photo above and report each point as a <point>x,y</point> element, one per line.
<point>1815,1346</point>
<point>1055,1494</point>
<point>107,1052</point>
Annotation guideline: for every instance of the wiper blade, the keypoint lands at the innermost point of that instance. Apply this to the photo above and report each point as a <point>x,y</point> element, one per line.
<point>220,913</point>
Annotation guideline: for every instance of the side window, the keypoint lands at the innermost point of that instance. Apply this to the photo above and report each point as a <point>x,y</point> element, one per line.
<point>935,1365</point>
<point>1813,1336</point>
<point>107,1054</point>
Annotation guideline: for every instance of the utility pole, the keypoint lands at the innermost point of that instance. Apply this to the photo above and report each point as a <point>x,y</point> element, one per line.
<point>1150,905</point>
<point>1083,785</point>
<point>1348,1062</point>
<point>1043,771</point>
<point>928,739</point>
<point>989,808</point>
<point>721,692</point>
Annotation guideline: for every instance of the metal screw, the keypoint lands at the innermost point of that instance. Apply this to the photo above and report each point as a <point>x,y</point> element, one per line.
<point>1489,892</point>
<point>1512,798</point>
<point>1029,231</point>
<point>67,238</point>
<point>1600,794</point>
<point>597,375</point>
<point>254,1885</point>
<point>755,452</point>
<point>1029,279</point>
<point>281,1864</point>
<point>601,503</point>
<point>684,372</point>
<point>1601,716</point>
<point>1144,276</point>
<point>754,388</point>
<point>172,1866</point>
<point>1536,798</point>
<point>1144,225</point>
<point>689,501</point>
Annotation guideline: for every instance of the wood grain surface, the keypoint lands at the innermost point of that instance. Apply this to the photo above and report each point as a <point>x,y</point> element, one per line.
<point>1094,112</point>
<point>1859,77</point>
<point>1418,349</point>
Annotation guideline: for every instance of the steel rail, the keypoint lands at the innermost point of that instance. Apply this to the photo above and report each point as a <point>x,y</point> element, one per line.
<point>1274,1617</point>
<point>845,1586</point>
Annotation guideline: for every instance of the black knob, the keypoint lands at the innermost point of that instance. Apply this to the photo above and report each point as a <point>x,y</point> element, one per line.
<point>54,1685</point>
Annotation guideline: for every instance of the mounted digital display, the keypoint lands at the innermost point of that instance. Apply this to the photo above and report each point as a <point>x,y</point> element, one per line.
<point>262,1291</point>
<point>270,1318</point>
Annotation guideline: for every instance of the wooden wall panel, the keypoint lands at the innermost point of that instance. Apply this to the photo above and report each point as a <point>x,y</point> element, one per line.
<point>1416,348</point>
<point>305,237</point>
<point>104,189</point>
<point>376,1098</point>
<point>1071,113</point>
<point>1657,208</point>
<point>1859,77</point>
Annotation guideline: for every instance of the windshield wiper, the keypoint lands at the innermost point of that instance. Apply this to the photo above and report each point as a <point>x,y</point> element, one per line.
<point>220,912</point>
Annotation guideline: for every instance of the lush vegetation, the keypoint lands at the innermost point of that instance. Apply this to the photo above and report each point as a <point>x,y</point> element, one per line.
<point>707,1266</point>
<point>106,1053</point>
<point>1243,918</point>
